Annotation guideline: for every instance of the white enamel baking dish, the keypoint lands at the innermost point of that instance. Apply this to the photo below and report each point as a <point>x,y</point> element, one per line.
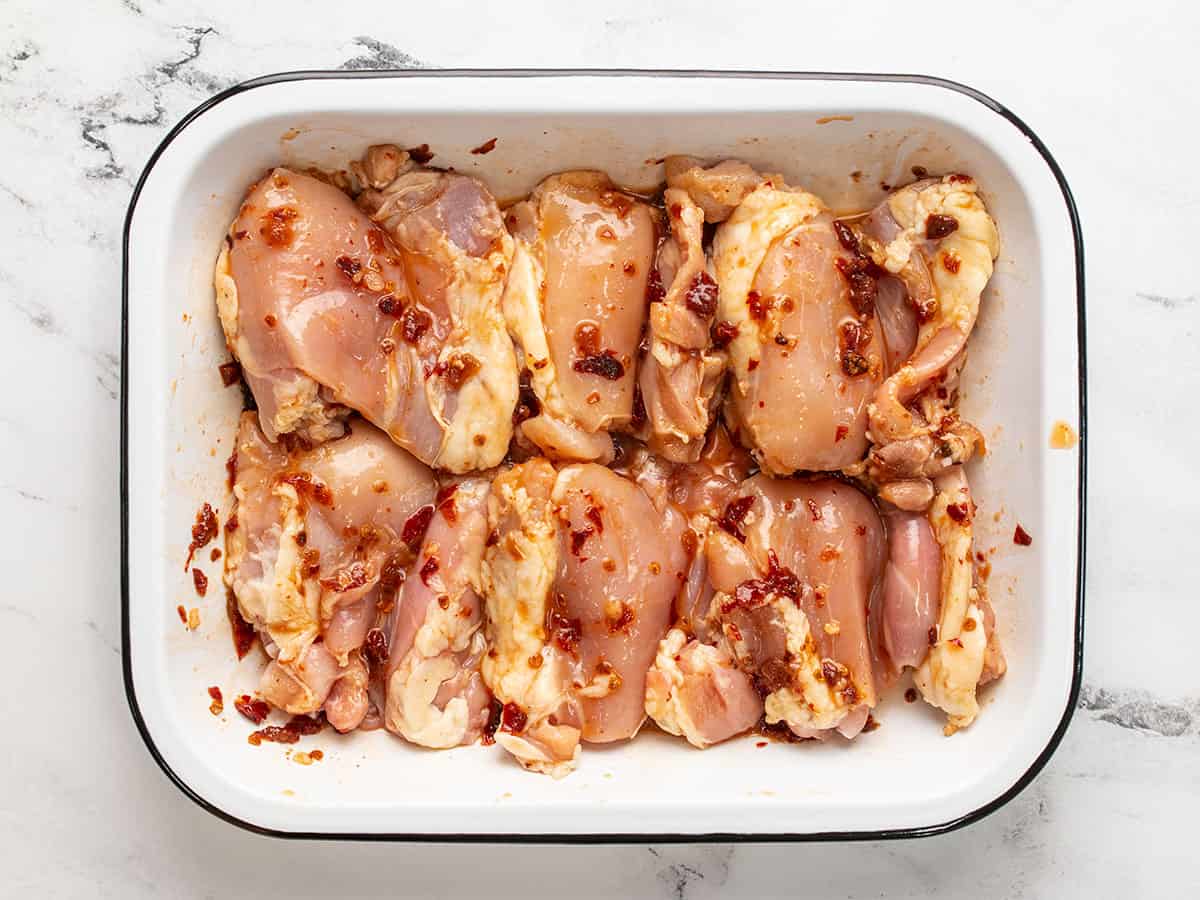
<point>1026,372</point>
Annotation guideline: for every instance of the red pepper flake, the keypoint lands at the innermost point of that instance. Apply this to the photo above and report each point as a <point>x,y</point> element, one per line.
<point>528,404</point>
<point>592,514</point>
<point>444,501</point>
<point>760,744</point>
<point>938,226</point>
<point>513,719</point>
<point>231,372</point>
<point>486,147</point>
<point>415,527</point>
<point>218,705</point>
<point>460,368</point>
<point>605,364</point>
<point>758,305</point>
<point>200,581</point>
<point>813,509</point>
<point>860,273</point>
<point>910,696</point>
<point>735,512</point>
<point>252,708</point>
<point>231,470</point>
<point>951,263</point>
<point>933,635</point>
<point>306,486</point>
<point>316,755</point>
<point>752,365</point>
<point>846,237</point>
<point>722,334</point>
<point>350,267</point>
<point>579,538</point>
<point>871,724</point>
<point>1022,537</point>
<point>276,226</point>
<point>420,154</point>
<point>243,632</point>
<point>567,631</point>
<point>389,306</point>
<point>493,723</point>
<point>429,569</point>
<point>350,578</point>
<point>701,297</point>
<point>960,513</point>
<point>215,554</point>
<point>375,646</point>
<point>655,293</point>
<point>414,322</point>
<point>203,531</point>
<point>753,592</point>
<point>840,433</point>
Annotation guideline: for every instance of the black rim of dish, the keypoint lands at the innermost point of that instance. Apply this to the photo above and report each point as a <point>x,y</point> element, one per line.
<point>612,838</point>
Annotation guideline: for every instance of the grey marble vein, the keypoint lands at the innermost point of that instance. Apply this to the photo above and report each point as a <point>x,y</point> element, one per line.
<point>380,55</point>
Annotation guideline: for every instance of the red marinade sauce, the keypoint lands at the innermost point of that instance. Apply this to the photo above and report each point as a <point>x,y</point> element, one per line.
<point>605,364</point>
<point>203,531</point>
<point>735,512</point>
<point>701,297</point>
<point>493,723</point>
<point>1022,537</point>
<point>486,147</point>
<point>252,708</point>
<point>445,503</point>
<point>200,581</point>
<point>513,719</point>
<point>415,527</point>
<point>231,372</point>
<point>243,632</point>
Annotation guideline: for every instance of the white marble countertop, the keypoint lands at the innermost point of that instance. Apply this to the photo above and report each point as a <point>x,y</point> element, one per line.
<point>83,103</point>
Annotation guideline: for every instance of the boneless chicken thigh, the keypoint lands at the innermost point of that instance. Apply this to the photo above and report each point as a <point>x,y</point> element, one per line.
<point>435,695</point>
<point>326,310</point>
<point>796,565</point>
<point>681,369</point>
<point>580,576</point>
<point>797,312</point>
<point>314,534</point>
<point>937,238</point>
<point>575,305</point>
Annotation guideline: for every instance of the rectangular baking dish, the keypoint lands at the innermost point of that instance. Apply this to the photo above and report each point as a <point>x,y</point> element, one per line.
<point>841,136</point>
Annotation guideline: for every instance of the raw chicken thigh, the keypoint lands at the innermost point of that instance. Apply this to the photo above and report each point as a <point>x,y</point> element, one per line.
<point>575,305</point>
<point>326,310</point>
<point>796,308</point>
<point>435,695</point>
<point>580,577</point>
<point>681,370</point>
<point>796,565</point>
<point>316,533</point>
<point>937,238</point>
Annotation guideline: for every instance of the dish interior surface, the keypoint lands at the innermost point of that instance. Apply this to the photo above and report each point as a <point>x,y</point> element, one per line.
<point>1022,377</point>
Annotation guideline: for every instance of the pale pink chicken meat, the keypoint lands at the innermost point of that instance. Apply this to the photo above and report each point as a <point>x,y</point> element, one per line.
<point>681,369</point>
<point>620,566</point>
<point>796,565</point>
<point>435,695</point>
<point>316,533</point>
<point>696,690</point>
<point>575,304</point>
<point>936,238</point>
<point>911,595</point>
<point>324,310</point>
<point>529,667</point>
<point>797,308</point>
